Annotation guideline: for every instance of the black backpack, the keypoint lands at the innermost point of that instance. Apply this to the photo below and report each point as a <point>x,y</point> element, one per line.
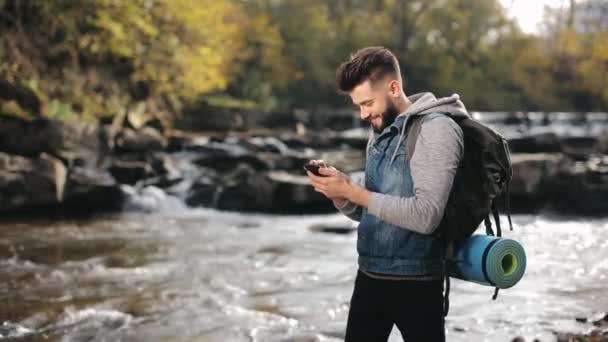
<point>484,173</point>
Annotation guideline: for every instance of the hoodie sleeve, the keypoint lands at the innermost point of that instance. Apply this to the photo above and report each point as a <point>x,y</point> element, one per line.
<point>439,148</point>
<point>350,209</point>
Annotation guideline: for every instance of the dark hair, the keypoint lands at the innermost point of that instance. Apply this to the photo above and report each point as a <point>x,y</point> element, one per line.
<point>371,63</point>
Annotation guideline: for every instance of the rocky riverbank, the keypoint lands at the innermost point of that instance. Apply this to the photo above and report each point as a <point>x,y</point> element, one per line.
<point>598,332</point>
<point>54,165</point>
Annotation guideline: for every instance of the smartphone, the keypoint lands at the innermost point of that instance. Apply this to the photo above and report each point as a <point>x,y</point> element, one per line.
<point>314,168</point>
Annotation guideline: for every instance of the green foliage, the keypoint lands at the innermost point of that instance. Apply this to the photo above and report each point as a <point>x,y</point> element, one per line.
<point>60,110</point>
<point>89,59</point>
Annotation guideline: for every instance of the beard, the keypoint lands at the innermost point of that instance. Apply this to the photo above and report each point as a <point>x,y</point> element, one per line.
<point>388,117</point>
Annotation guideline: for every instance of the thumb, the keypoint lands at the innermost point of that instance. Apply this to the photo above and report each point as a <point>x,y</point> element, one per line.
<point>327,171</point>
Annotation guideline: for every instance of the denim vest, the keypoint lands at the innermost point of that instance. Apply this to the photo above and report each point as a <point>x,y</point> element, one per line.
<point>383,247</point>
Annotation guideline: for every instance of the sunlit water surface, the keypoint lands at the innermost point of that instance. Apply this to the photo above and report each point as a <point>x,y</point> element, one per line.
<point>204,275</point>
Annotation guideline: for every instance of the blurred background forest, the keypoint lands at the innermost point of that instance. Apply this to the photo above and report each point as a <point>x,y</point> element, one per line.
<point>87,60</point>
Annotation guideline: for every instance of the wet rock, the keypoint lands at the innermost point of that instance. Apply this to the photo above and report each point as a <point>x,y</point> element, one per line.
<point>294,194</point>
<point>602,143</point>
<point>204,117</point>
<point>30,182</point>
<point>355,138</point>
<point>92,189</point>
<point>334,229</point>
<point>532,179</point>
<point>579,148</point>
<point>75,143</point>
<point>598,334</point>
<point>145,140</point>
<point>594,336</point>
<point>267,144</point>
<point>244,189</point>
<point>149,169</point>
<point>13,330</point>
<point>176,143</point>
<point>582,188</point>
<point>536,143</point>
<point>602,322</point>
<point>164,164</point>
<point>225,157</point>
<point>294,141</point>
<point>130,172</point>
<point>292,162</point>
<point>318,139</point>
<point>202,191</point>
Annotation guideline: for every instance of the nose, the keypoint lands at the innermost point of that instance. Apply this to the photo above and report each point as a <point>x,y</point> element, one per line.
<point>363,115</point>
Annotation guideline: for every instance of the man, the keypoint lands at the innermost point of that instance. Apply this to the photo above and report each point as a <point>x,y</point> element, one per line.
<point>400,204</point>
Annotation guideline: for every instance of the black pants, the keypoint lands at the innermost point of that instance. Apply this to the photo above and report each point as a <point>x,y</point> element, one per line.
<point>416,307</point>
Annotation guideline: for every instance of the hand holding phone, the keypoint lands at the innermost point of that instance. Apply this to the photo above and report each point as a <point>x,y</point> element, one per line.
<point>313,168</point>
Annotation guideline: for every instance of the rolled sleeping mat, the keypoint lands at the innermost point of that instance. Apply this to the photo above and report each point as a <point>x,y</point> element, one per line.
<point>489,260</point>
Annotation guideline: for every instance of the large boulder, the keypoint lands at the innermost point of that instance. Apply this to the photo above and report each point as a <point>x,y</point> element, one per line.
<point>30,182</point>
<point>156,169</point>
<point>579,148</point>
<point>536,143</point>
<point>601,145</point>
<point>199,189</point>
<point>145,140</point>
<point>245,189</point>
<point>294,194</point>
<point>75,143</point>
<point>92,190</point>
<point>130,171</point>
<point>533,175</point>
<point>583,188</point>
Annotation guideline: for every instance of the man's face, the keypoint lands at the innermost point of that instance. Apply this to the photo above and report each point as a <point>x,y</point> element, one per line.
<point>375,104</point>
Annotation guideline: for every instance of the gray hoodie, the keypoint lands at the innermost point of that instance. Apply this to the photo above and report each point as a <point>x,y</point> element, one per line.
<point>433,165</point>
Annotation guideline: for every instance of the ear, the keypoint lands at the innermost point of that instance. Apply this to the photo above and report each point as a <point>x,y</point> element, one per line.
<point>394,88</point>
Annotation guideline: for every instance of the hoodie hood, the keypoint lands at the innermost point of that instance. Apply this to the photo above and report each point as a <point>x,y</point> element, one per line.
<point>426,103</point>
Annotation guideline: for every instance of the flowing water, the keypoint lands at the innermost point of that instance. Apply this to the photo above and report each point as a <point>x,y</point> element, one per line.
<point>204,275</point>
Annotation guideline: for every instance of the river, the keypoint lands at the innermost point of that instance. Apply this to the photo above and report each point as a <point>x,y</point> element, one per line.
<point>203,275</point>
